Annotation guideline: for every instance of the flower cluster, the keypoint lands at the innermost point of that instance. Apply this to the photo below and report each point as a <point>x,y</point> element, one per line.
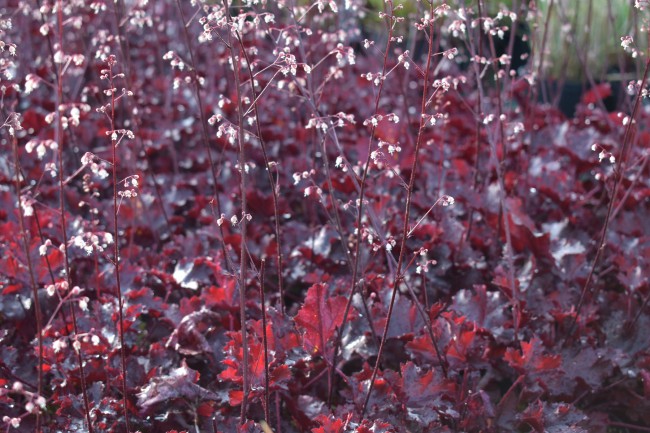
<point>91,242</point>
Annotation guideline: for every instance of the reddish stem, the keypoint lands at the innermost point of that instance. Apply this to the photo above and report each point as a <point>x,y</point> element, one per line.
<point>362,190</point>
<point>618,177</point>
<point>275,188</point>
<point>242,187</point>
<point>59,140</point>
<point>407,212</point>
<point>204,128</point>
<point>265,342</point>
<point>30,267</point>
<point>516,301</point>
<point>116,248</point>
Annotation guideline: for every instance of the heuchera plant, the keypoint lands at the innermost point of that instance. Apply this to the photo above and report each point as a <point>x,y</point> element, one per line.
<point>317,216</point>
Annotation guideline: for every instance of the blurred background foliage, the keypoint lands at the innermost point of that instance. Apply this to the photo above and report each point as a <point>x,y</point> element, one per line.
<point>583,38</point>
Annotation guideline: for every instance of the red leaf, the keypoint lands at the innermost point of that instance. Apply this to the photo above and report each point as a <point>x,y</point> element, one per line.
<point>278,373</point>
<point>459,347</point>
<point>11,288</point>
<point>405,322</point>
<point>221,296</point>
<point>596,93</point>
<point>530,357</point>
<point>281,335</point>
<point>422,347</point>
<point>55,258</point>
<point>328,425</point>
<point>320,316</point>
<point>377,426</point>
<point>257,364</point>
<point>11,266</point>
<point>422,386</point>
<point>534,416</point>
<point>236,397</point>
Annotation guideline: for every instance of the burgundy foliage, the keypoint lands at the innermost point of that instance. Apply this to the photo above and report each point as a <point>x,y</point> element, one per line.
<point>495,285</point>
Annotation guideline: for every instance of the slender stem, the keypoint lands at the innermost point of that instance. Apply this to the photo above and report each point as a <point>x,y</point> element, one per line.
<point>516,302</point>
<point>242,186</point>
<point>618,177</point>
<point>357,243</point>
<point>374,220</point>
<point>509,392</point>
<point>116,247</point>
<point>407,211</point>
<point>275,188</point>
<point>479,110</point>
<point>278,419</point>
<point>204,128</point>
<point>37,302</point>
<point>125,47</point>
<point>59,140</point>
<point>267,415</point>
<point>633,184</point>
<point>540,66</point>
<point>311,100</point>
<point>513,33</point>
<point>313,104</point>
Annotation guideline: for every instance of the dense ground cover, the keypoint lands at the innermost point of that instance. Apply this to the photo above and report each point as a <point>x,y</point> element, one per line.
<point>412,242</point>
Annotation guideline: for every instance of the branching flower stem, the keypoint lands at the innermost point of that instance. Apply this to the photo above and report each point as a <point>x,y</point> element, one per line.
<point>275,188</point>
<point>357,244</point>
<point>310,98</point>
<point>30,267</point>
<point>505,219</point>
<point>116,245</point>
<point>374,220</point>
<point>64,233</point>
<point>125,47</point>
<point>242,170</point>
<point>407,210</point>
<point>204,129</point>
<point>618,177</point>
<point>475,48</point>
